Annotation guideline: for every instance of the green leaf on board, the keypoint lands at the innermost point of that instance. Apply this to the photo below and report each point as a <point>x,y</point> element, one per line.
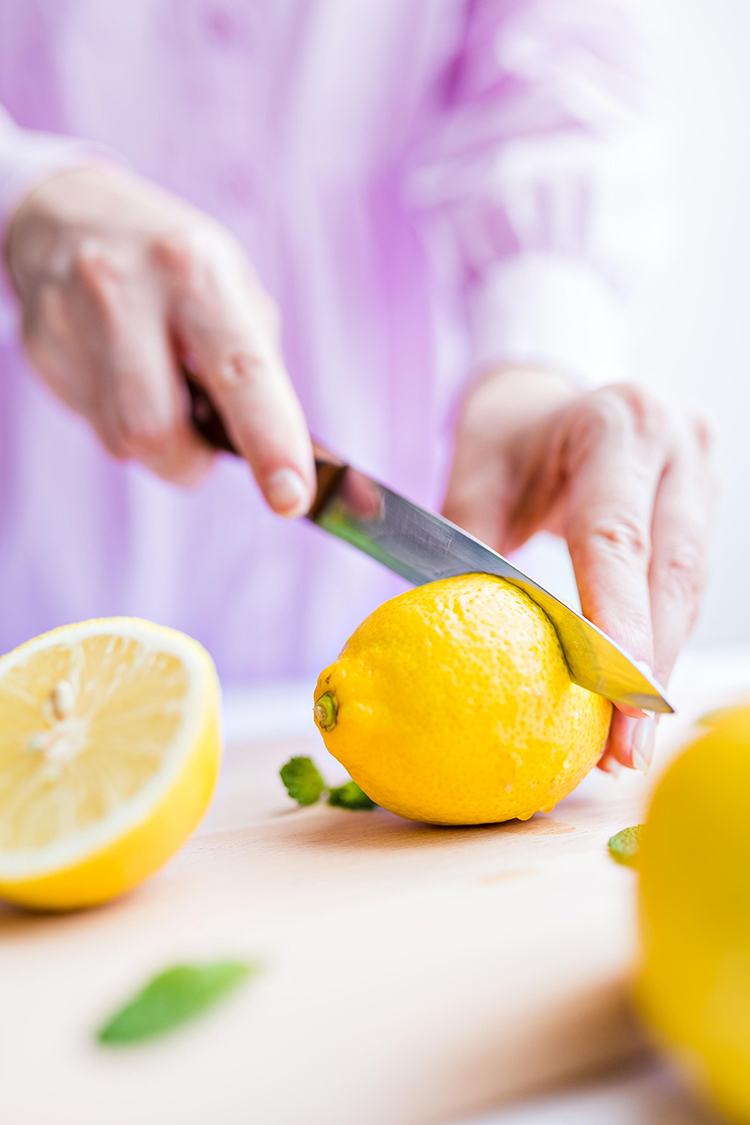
<point>173,997</point>
<point>350,796</point>
<point>625,845</point>
<point>302,780</point>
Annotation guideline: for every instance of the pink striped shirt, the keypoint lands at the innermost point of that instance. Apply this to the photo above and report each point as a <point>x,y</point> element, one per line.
<point>425,188</point>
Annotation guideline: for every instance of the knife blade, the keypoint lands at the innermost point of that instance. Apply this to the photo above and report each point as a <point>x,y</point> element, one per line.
<point>423,547</point>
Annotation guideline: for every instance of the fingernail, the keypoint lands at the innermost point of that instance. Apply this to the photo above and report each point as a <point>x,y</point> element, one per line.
<point>287,493</point>
<point>610,765</point>
<point>643,744</point>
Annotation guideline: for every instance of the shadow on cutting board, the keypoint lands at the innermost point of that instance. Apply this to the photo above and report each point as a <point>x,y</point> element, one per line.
<point>385,831</point>
<point>18,922</point>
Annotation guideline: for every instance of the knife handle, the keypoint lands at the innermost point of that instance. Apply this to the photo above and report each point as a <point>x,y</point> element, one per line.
<point>206,419</point>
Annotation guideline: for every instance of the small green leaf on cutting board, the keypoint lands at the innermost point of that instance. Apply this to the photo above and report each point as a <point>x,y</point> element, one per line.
<point>302,780</point>
<point>350,796</point>
<point>173,997</point>
<point>625,845</point>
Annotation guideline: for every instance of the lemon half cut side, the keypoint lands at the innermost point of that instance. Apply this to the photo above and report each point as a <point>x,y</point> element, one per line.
<point>109,751</point>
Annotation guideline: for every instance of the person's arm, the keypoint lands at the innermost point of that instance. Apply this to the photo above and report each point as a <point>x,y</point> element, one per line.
<point>547,175</point>
<point>119,283</point>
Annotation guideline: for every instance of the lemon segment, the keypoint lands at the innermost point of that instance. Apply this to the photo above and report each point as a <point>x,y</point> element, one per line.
<point>109,751</point>
<point>453,704</point>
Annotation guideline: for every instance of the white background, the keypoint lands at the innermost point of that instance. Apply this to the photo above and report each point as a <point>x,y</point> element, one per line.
<point>695,341</point>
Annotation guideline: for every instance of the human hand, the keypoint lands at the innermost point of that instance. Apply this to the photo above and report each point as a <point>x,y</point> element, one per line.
<point>625,479</point>
<point>119,283</point>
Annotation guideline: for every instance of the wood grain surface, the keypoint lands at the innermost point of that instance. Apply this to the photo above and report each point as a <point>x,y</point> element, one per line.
<point>410,974</point>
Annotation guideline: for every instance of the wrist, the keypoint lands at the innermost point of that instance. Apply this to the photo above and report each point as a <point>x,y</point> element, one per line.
<point>34,218</point>
<point>68,196</point>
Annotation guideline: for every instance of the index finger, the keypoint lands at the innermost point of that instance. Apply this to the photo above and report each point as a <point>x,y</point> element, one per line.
<point>617,456</point>
<point>223,320</point>
<point>615,460</point>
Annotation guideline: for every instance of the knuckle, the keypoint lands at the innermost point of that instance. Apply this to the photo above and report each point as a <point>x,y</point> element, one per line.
<point>95,263</point>
<point>624,407</point>
<point>177,251</point>
<point>191,255</point>
<point>599,418</point>
<point>646,415</point>
<point>623,416</point>
<point>106,275</point>
<point>622,538</point>
<point>681,573</point>
<point>640,401</point>
<point>603,410</point>
<point>240,370</point>
<point>683,567</point>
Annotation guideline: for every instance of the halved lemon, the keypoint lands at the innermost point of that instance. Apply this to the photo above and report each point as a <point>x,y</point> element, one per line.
<point>109,750</point>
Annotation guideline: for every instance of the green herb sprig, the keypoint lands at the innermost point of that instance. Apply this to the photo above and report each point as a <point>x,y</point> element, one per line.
<point>305,785</point>
<point>303,782</point>
<point>624,847</point>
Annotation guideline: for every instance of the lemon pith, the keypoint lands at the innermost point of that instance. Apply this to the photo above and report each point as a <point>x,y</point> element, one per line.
<point>694,984</point>
<point>452,703</point>
<point>109,750</point>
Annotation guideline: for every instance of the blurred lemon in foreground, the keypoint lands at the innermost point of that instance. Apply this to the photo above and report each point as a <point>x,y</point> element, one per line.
<point>109,749</point>
<point>452,703</point>
<point>695,912</point>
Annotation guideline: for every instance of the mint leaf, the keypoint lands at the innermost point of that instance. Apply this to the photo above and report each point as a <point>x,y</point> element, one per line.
<point>303,782</point>
<point>305,785</point>
<point>171,998</point>
<point>350,796</point>
<point>625,845</point>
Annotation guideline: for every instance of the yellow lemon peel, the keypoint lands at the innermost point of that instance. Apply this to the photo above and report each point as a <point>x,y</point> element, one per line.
<point>452,703</point>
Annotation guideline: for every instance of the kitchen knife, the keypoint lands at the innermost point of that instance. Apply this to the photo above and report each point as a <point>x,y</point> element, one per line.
<point>422,547</point>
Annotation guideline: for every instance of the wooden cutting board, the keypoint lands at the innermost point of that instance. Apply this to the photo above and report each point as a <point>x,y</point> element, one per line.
<point>410,974</point>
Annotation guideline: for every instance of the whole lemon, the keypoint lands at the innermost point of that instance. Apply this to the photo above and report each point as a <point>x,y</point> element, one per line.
<point>453,704</point>
<point>695,912</point>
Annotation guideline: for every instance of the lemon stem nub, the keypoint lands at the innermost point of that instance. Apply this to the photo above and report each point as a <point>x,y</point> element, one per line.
<point>325,711</point>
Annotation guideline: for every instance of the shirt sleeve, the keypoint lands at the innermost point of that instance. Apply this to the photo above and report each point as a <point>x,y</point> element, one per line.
<point>547,174</point>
